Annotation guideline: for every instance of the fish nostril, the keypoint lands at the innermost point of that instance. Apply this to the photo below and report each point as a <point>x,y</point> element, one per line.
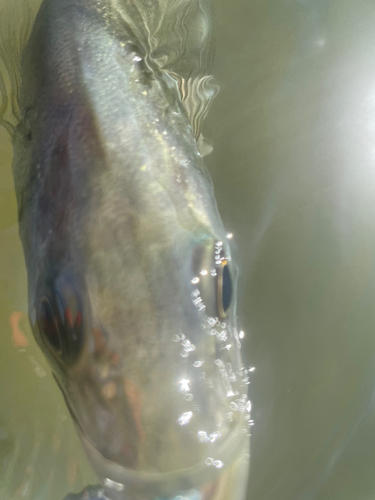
<point>49,326</point>
<point>60,319</point>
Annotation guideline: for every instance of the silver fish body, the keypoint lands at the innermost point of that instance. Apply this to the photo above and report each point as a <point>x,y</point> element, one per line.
<point>132,288</point>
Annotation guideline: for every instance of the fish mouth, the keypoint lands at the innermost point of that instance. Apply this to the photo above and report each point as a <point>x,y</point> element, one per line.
<point>208,480</point>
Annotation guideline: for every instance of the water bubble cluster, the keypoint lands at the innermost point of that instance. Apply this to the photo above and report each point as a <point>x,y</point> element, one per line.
<point>197,300</point>
<point>188,347</point>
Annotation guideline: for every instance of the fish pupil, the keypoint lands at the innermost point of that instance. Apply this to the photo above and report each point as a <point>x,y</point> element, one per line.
<point>227,289</point>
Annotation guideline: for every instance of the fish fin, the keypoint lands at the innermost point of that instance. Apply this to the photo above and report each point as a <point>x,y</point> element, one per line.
<point>204,146</point>
<point>185,50</point>
<point>177,35</point>
<point>197,93</point>
<point>16,20</point>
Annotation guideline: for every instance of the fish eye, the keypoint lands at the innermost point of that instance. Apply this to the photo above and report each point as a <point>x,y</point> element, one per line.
<point>224,289</point>
<point>49,326</point>
<point>213,279</point>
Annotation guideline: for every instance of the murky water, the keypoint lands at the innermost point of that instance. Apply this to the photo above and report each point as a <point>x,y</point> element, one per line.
<point>294,170</point>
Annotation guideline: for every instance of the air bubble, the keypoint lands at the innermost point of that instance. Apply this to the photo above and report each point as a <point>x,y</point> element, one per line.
<point>218,362</point>
<point>212,321</point>
<point>176,338</point>
<point>195,280</point>
<point>185,418</point>
<point>230,236</point>
<point>222,336</point>
<point>188,397</point>
<point>202,437</point>
<point>218,464</point>
<point>248,406</point>
<point>204,272</point>
<point>242,334</point>
<point>252,369</point>
<point>228,346</point>
<point>234,406</point>
<point>214,436</point>
<point>184,385</point>
<point>197,364</point>
<point>209,461</point>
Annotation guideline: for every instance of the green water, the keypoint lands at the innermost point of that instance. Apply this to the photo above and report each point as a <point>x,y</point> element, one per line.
<point>293,165</point>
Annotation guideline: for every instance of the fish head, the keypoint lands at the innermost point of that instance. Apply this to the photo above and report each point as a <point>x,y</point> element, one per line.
<point>132,286</point>
<point>146,355</point>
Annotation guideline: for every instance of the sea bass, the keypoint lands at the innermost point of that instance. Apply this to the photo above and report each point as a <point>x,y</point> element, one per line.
<point>131,284</point>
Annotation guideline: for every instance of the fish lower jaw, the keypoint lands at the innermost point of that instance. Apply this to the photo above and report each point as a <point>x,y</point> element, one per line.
<point>209,480</point>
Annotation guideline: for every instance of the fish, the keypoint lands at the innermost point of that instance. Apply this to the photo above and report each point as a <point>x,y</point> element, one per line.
<point>132,287</point>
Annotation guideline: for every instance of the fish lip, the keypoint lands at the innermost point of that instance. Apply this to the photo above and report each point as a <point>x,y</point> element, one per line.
<point>235,446</point>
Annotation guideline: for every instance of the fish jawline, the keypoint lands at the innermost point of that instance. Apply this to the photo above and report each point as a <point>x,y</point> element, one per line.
<point>235,449</point>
